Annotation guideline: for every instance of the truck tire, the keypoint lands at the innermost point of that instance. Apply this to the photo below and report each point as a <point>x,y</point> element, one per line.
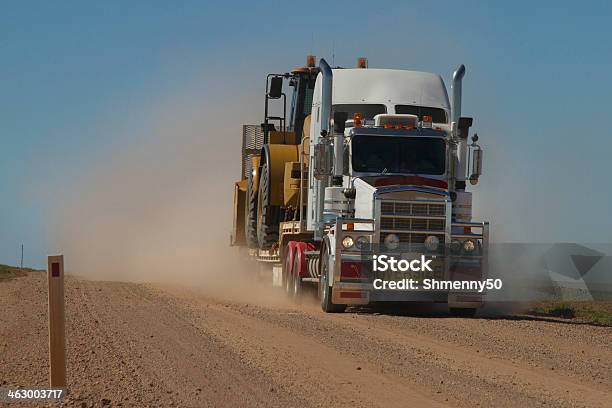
<point>462,312</point>
<point>287,273</point>
<point>268,215</point>
<point>325,291</point>
<point>296,280</point>
<point>250,216</point>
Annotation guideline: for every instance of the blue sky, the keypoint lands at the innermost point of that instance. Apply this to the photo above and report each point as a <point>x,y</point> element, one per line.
<point>81,80</point>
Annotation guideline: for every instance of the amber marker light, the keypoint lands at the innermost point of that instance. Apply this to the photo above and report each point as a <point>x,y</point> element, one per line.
<point>357,119</point>
<point>310,61</point>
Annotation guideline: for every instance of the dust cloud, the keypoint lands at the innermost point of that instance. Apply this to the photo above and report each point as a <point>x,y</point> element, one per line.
<point>159,207</point>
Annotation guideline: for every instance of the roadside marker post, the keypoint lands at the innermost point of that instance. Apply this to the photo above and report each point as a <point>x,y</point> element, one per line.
<point>57,339</point>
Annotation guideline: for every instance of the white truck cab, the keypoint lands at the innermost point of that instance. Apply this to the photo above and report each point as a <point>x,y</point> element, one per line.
<point>396,169</point>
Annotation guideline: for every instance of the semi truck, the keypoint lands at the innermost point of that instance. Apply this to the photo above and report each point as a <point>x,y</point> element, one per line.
<point>361,162</point>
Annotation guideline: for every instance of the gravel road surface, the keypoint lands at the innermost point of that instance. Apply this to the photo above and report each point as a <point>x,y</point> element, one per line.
<point>151,345</point>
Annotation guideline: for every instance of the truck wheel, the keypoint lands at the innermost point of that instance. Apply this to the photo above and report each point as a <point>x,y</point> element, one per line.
<point>325,292</point>
<point>268,216</point>
<point>287,274</point>
<point>462,312</point>
<point>250,216</point>
<point>296,280</point>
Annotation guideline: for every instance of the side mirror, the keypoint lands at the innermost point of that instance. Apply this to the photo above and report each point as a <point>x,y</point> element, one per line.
<point>322,166</point>
<point>465,122</point>
<point>340,121</point>
<point>276,87</point>
<point>476,153</point>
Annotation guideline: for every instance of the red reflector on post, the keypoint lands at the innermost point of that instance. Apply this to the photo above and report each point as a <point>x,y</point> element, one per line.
<point>55,269</point>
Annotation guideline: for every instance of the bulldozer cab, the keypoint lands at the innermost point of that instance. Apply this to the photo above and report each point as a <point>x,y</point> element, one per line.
<point>302,80</point>
<point>301,102</point>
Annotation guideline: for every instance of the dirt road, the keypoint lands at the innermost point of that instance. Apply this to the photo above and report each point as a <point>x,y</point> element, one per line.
<point>144,345</point>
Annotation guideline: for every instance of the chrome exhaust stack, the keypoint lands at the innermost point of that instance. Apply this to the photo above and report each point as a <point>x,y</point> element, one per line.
<point>326,97</point>
<point>457,80</point>
<point>322,145</point>
<point>460,132</point>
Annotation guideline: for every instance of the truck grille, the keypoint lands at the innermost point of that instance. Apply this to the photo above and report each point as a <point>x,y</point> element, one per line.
<point>408,224</point>
<point>414,209</point>
<point>412,221</point>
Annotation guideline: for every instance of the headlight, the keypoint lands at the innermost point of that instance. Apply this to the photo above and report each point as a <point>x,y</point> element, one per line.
<point>469,246</point>
<point>392,241</point>
<point>347,242</point>
<point>455,247</point>
<point>431,243</point>
<point>362,242</point>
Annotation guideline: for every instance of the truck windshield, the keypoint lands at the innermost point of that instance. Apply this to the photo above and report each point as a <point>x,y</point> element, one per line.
<point>437,115</point>
<point>367,110</point>
<point>393,154</point>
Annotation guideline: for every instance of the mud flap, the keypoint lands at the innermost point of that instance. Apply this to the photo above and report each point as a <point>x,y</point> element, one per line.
<point>277,275</point>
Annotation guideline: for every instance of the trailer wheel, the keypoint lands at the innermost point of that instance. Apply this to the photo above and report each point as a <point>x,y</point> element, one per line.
<point>462,312</point>
<point>296,280</point>
<point>287,273</point>
<point>250,216</point>
<point>325,292</point>
<point>268,216</point>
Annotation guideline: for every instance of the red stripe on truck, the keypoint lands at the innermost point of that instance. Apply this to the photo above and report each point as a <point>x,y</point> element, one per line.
<point>415,180</point>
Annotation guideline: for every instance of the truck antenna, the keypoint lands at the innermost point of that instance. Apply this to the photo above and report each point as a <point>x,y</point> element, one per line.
<point>333,53</point>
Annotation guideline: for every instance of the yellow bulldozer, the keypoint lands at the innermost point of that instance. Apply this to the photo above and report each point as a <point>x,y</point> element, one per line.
<point>272,172</point>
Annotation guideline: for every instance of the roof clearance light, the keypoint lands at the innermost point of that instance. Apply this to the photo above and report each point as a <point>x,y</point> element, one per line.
<point>362,62</point>
<point>427,122</point>
<point>357,120</point>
